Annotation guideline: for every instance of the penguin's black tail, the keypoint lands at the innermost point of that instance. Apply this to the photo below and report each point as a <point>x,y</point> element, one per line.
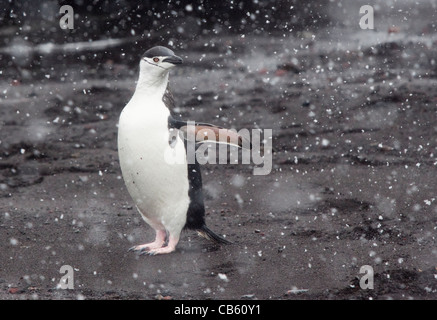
<point>207,233</point>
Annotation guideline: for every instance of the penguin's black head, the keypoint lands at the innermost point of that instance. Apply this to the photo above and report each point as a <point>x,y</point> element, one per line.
<point>161,57</point>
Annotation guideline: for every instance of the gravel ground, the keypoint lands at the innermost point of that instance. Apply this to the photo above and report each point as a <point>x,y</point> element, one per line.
<point>353,116</point>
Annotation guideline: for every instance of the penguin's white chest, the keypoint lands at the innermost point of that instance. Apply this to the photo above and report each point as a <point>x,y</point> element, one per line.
<point>155,172</point>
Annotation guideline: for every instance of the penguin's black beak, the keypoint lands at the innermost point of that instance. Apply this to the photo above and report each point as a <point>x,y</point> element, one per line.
<point>173,60</point>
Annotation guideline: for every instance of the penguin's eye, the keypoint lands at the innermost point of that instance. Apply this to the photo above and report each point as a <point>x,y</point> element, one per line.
<point>155,59</point>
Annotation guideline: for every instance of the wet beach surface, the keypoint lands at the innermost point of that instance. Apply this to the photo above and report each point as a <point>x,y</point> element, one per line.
<point>353,182</point>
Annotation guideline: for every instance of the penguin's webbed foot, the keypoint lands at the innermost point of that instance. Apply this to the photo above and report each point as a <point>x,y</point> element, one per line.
<point>145,247</point>
<point>163,250</point>
<point>170,247</point>
<point>157,247</point>
<point>158,243</point>
<point>151,251</point>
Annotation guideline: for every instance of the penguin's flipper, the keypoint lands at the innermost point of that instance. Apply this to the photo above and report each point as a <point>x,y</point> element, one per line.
<point>201,133</point>
<point>207,233</point>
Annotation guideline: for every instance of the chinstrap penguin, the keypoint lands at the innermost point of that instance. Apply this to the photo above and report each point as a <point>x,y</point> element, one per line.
<point>166,190</point>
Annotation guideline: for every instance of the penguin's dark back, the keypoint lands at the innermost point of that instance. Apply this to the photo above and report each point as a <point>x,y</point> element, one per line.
<point>196,209</point>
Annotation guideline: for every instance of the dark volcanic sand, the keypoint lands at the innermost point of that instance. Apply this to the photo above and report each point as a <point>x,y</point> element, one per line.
<point>353,182</point>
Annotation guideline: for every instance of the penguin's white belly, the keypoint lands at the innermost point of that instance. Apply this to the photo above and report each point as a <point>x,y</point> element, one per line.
<point>155,174</point>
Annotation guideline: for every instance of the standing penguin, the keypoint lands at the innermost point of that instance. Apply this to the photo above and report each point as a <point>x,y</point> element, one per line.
<point>167,190</point>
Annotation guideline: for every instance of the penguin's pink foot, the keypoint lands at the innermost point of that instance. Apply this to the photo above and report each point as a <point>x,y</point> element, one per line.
<point>158,243</point>
<point>172,242</point>
<point>146,247</point>
<point>162,250</point>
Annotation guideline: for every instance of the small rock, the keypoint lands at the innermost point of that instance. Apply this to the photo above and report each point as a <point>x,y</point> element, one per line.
<point>13,290</point>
